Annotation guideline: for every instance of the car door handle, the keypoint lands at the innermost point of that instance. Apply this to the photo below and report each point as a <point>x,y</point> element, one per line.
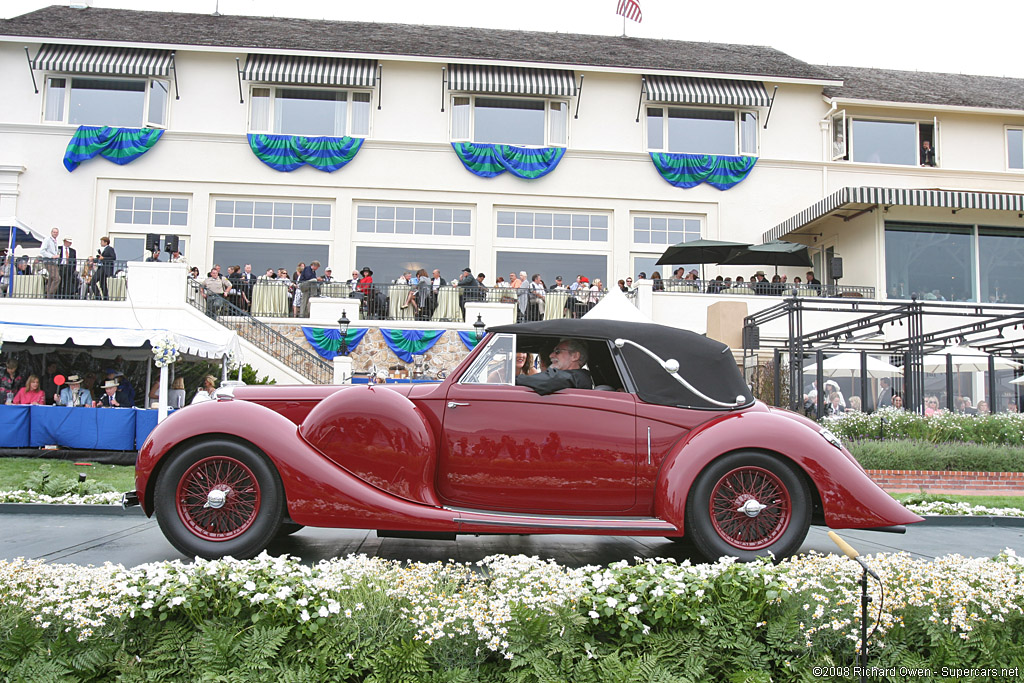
<point>453,404</point>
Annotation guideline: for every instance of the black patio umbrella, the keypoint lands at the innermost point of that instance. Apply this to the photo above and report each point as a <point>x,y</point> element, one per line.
<point>774,253</point>
<point>700,251</point>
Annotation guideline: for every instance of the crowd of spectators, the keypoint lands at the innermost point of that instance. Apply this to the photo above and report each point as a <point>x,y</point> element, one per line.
<point>835,403</point>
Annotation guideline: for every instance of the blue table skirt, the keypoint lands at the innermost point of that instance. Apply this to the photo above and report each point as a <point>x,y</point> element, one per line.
<point>14,426</point>
<point>106,429</point>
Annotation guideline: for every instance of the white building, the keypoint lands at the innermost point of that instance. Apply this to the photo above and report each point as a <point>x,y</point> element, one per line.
<point>401,96</point>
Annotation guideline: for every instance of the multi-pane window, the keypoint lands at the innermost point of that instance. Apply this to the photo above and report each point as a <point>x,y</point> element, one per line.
<point>271,215</point>
<point>551,225</point>
<point>682,130</point>
<point>309,111</point>
<point>137,210</point>
<point>530,122</point>
<point>1015,148</point>
<point>100,101</point>
<point>413,220</point>
<point>665,229</point>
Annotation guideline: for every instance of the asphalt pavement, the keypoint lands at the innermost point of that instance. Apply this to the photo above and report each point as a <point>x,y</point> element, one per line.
<point>130,539</point>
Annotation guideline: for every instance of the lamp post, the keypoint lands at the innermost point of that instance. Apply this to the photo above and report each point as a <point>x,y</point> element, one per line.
<point>343,324</point>
<point>479,327</point>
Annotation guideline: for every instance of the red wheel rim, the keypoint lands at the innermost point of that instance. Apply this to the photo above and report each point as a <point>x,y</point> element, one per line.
<point>734,492</point>
<point>235,490</point>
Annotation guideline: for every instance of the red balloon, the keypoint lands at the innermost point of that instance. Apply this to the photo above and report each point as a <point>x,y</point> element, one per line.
<point>58,379</point>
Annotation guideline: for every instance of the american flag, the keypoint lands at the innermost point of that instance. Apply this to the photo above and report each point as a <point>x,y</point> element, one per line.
<point>631,10</point>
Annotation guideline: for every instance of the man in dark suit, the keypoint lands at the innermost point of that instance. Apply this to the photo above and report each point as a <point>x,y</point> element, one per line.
<point>112,398</point>
<point>565,372</point>
<point>68,271</point>
<point>884,394</point>
<point>105,257</point>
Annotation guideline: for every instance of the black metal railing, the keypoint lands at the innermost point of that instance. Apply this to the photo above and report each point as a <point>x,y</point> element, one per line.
<point>781,289</point>
<point>272,298</point>
<point>258,333</point>
<point>36,278</point>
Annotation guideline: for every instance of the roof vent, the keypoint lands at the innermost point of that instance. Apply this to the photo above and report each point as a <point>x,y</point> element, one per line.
<point>79,4</point>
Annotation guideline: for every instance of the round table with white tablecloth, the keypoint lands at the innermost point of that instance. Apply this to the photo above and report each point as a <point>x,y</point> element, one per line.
<point>554,308</point>
<point>29,286</point>
<point>397,297</point>
<point>270,298</point>
<point>447,304</point>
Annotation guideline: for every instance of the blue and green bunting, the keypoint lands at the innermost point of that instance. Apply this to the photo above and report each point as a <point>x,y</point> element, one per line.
<point>469,339</point>
<point>288,152</point>
<point>120,145</point>
<point>488,160</point>
<point>405,343</point>
<point>327,341</point>
<point>690,170</point>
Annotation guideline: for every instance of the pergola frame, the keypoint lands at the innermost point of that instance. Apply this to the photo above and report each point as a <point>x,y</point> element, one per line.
<point>868,320</point>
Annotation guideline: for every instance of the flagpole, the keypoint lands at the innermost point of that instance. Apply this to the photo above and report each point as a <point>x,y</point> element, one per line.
<point>623,25</point>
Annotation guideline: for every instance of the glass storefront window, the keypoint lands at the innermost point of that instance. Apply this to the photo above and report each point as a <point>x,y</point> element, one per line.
<point>1000,255</point>
<point>931,262</point>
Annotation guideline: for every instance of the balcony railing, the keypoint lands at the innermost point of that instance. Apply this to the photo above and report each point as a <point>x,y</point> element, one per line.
<point>271,298</point>
<point>34,278</point>
<point>785,289</point>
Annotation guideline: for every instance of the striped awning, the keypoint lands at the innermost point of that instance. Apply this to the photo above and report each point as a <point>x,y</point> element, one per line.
<point>511,80</point>
<point>892,196</point>
<point>361,73</point>
<point>110,61</point>
<point>686,90</point>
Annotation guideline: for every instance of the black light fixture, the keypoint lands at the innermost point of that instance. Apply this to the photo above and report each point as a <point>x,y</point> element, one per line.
<point>478,327</point>
<point>343,324</point>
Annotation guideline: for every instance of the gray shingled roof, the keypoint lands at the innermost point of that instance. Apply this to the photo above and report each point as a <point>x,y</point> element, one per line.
<point>446,42</point>
<point>923,87</point>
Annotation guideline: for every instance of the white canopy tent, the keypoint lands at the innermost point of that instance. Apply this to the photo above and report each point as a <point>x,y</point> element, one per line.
<point>130,342</point>
<point>615,306</point>
<point>965,359</point>
<point>848,365</point>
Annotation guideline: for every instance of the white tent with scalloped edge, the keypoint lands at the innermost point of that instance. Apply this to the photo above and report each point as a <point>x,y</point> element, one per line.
<point>614,305</point>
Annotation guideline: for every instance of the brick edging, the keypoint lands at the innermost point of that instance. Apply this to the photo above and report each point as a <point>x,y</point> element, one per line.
<point>995,483</point>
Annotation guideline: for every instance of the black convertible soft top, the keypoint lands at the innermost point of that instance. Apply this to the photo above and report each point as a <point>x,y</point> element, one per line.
<point>706,364</point>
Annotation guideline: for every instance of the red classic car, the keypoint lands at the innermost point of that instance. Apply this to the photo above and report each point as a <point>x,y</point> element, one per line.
<point>669,442</point>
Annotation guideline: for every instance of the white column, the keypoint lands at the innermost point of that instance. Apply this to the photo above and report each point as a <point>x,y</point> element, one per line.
<point>162,400</point>
<point>342,370</point>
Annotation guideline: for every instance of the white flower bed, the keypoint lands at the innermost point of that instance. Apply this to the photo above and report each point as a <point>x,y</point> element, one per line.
<point>111,498</point>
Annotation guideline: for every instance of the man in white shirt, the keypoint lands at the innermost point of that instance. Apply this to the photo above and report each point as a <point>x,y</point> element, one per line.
<point>49,253</point>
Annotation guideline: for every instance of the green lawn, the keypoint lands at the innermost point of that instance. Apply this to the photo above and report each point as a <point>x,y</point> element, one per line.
<point>988,501</point>
<point>14,472</point>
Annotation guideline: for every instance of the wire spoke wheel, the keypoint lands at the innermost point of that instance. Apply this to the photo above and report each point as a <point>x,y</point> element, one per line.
<point>748,505</point>
<point>218,498</point>
<point>750,508</point>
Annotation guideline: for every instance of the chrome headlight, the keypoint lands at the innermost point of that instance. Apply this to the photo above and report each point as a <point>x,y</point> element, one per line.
<point>830,437</point>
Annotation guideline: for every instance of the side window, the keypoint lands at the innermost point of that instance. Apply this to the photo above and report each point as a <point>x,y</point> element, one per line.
<point>495,364</point>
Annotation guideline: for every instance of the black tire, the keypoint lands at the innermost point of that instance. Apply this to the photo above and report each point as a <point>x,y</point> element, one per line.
<point>251,505</point>
<point>718,527</point>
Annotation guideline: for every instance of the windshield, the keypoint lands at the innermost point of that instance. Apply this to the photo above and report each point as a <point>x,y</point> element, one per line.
<point>495,364</point>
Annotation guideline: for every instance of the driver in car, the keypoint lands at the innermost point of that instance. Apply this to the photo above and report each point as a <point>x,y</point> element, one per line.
<point>565,371</point>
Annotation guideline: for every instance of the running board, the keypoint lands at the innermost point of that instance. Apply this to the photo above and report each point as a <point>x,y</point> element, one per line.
<point>577,523</point>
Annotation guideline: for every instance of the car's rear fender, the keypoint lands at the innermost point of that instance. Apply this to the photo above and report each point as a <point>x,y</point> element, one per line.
<point>318,492</point>
<point>849,499</point>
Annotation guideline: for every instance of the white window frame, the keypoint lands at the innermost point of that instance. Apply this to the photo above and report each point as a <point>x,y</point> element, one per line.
<point>377,239</point>
<point>548,105</point>
<point>837,126</point>
<point>737,115</point>
<point>146,122</point>
<point>290,234</point>
<point>640,247</point>
<point>851,143</point>
<point>149,226</point>
<point>598,246</point>
<point>1006,151</point>
<point>275,87</point>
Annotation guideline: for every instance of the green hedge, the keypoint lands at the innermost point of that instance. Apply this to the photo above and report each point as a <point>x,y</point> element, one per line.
<point>504,619</point>
<point>906,454</point>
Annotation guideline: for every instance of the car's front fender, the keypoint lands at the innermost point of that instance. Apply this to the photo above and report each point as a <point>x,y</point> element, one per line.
<point>849,498</point>
<point>319,492</point>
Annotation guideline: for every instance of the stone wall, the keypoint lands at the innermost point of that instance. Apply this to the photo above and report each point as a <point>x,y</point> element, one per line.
<point>372,350</point>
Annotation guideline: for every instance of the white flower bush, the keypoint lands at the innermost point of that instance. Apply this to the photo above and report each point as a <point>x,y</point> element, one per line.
<point>165,352</point>
<point>23,496</point>
<point>475,606</point>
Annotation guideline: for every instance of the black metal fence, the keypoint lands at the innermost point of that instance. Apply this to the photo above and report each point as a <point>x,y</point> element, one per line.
<point>781,289</point>
<point>258,333</point>
<point>36,278</point>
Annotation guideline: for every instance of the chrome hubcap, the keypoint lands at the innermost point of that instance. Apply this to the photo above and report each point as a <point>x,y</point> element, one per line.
<point>216,499</point>
<point>751,508</point>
